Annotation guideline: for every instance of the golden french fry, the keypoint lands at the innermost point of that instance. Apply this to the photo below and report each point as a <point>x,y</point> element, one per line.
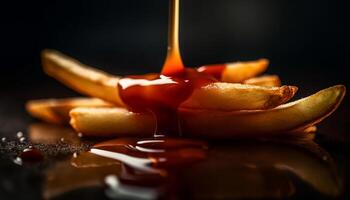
<point>227,97</point>
<point>240,71</point>
<point>293,116</point>
<point>57,110</point>
<point>111,122</point>
<point>266,80</point>
<point>79,77</point>
<point>222,96</point>
<point>234,96</point>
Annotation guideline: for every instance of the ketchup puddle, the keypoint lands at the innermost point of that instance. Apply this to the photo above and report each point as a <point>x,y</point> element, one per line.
<point>151,155</point>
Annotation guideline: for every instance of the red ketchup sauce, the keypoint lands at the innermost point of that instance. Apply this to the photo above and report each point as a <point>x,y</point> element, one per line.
<point>161,94</point>
<point>213,70</point>
<point>31,155</point>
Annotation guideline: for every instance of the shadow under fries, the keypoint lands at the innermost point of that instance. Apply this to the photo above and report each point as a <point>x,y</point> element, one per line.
<point>264,168</point>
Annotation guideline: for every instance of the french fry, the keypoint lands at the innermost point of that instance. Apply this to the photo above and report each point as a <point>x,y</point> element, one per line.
<point>240,71</point>
<point>221,96</point>
<point>57,110</point>
<point>293,116</point>
<point>227,97</point>
<point>111,122</point>
<point>81,78</point>
<point>234,96</point>
<point>266,80</point>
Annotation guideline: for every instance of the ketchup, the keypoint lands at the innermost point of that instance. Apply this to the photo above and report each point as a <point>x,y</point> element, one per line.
<point>31,155</point>
<point>160,94</point>
<point>213,70</point>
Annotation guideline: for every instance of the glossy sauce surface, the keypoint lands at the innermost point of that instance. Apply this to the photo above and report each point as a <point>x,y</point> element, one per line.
<point>151,161</point>
<point>159,152</point>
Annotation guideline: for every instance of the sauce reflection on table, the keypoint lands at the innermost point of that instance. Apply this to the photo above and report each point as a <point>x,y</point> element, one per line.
<point>234,170</point>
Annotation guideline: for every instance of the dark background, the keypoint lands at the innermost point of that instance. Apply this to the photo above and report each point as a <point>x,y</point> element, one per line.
<point>303,39</point>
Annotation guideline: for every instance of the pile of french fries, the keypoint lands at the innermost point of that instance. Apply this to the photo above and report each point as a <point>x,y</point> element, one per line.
<point>242,104</point>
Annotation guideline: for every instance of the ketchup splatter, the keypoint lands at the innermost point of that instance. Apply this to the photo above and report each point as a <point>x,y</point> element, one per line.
<point>31,155</point>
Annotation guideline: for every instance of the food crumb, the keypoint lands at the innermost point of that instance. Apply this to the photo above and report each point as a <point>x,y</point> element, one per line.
<point>19,134</point>
<point>22,139</point>
<point>18,161</point>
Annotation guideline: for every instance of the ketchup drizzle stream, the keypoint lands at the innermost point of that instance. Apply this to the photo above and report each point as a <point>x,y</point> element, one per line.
<point>160,94</point>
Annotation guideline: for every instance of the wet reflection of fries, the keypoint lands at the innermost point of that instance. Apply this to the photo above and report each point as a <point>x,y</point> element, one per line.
<point>240,105</point>
<point>250,169</point>
<point>264,169</point>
